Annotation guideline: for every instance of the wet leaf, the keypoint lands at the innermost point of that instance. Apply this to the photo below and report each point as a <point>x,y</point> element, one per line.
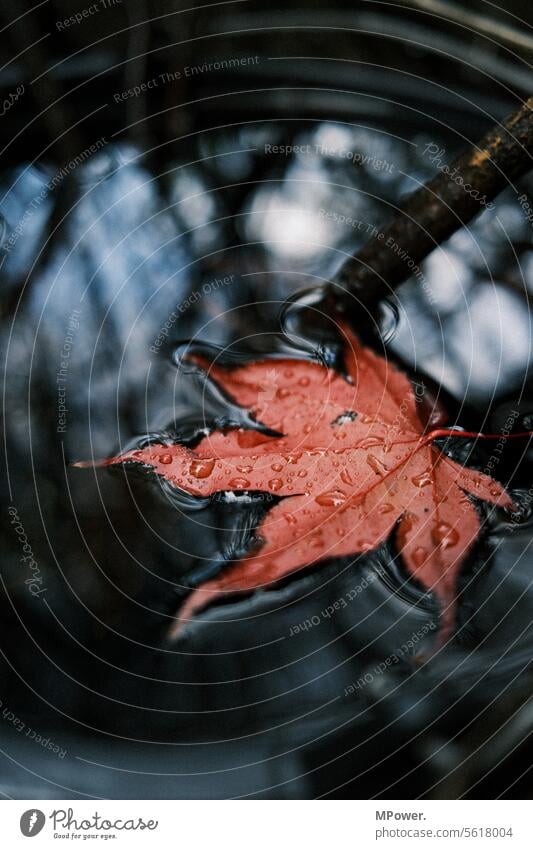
<point>353,465</point>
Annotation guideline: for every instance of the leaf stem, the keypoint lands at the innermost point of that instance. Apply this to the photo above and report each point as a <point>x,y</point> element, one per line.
<point>441,433</point>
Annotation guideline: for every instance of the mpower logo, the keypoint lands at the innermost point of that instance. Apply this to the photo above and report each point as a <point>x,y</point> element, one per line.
<point>32,822</point>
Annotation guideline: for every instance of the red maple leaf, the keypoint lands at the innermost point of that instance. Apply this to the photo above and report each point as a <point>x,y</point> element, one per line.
<point>352,465</point>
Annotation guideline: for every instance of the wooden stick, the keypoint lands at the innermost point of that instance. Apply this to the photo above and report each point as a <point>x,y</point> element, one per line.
<point>435,211</point>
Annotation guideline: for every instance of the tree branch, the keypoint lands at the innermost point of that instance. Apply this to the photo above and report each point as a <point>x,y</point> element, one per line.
<point>435,211</point>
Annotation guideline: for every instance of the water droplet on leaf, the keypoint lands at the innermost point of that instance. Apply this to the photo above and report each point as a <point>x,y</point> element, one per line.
<point>377,466</point>
<point>419,556</point>
<point>444,535</point>
<point>368,442</point>
<point>333,498</point>
<point>238,483</point>
<point>424,479</point>
<point>201,468</point>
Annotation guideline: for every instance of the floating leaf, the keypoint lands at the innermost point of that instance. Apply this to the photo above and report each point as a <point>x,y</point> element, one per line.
<point>352,465</point>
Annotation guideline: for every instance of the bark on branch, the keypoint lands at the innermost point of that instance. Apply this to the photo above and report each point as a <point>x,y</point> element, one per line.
<point>435,211</point>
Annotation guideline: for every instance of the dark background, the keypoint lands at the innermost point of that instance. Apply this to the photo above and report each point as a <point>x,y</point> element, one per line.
<point>178,193</point>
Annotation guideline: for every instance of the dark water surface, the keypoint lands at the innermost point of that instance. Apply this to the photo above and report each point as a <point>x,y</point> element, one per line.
<point>105,269</point>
